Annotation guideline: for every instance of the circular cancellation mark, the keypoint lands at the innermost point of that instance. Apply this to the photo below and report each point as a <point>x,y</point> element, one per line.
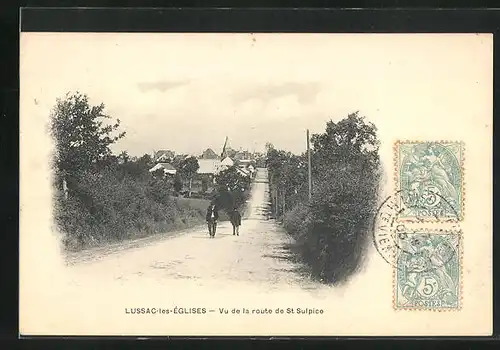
<point>393,237</point>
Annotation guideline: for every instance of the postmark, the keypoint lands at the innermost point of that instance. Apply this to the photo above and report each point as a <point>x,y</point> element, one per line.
<point>430,178</point>
<point>418,251</point>
<point>387,225</point>
<point>428,274</point>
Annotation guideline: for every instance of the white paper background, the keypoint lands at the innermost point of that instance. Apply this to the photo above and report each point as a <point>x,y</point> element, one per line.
<point>419,87</point>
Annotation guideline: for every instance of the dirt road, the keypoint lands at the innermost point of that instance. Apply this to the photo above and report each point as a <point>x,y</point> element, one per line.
<point>258,255</point>
<point>253,272</point>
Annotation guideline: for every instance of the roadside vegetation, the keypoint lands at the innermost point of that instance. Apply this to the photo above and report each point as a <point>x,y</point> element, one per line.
<point>331,230</point>
<point>103,197</point>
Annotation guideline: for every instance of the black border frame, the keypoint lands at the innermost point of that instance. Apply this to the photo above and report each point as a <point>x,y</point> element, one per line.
<point>258,20</point>
<point>308,20</point>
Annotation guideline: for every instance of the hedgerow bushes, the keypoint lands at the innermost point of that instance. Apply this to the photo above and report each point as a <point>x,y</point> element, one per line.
<point>100,197</point>
<point>331,230</point>
<point>100,208</point>
<point>297,220</point>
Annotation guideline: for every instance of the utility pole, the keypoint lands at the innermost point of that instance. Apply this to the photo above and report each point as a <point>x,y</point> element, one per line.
<point>309,165</point>
<point>276,203</point>
<point>284,202</point>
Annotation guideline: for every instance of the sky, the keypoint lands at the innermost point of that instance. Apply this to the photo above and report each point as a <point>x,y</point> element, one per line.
<point>187,92</point>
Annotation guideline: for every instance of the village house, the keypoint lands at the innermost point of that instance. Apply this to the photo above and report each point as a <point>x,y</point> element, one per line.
<point>168,169</point>
<point>163,156</point>
<point>243,155</point>
<point>228,152</point>
<point>244,172</point>
<point>209,154</point>
<point>208,166</point>
<point>205,175</point>
<point>227,161</point>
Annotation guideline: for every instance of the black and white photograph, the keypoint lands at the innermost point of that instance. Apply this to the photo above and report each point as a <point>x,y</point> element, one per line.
<point>255,184</point>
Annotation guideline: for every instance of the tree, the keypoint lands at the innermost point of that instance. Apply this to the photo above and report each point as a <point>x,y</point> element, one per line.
<point>158,174</point>
<point>345,188</point>
<point>204,184</point>
<point>176,162</point>
<point>269,146</point>
<point>81,134</point>
<point>287,176</point>
<point>136,170</point>
<point>348,141</point>
<point>177,183</point>
<point>145,161</point>
<point>231,180</point>
<point>231,188</point>
<point>188,168</point>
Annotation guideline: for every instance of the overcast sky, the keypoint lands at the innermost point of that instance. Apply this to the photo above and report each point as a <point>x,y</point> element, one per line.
<point>186,92</point>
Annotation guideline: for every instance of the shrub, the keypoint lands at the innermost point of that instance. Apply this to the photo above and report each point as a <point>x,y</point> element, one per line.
<point>332,229</point>
<point>232,190</point>
<point>102,208</point>
<point>295,221</point>
<point>109,197</point>
<point>341,214</point>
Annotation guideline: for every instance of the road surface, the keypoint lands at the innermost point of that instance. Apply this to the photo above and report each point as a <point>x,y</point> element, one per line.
<point>91,294</point>
<point>257,255</point>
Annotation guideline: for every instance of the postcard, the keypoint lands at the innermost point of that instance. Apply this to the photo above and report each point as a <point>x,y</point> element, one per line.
<point>223,184</point>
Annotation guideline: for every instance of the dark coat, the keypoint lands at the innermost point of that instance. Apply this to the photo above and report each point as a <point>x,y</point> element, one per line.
<point>236,218</point>
<point>208,217</point>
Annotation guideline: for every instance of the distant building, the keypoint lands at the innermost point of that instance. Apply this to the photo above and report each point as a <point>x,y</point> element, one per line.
<point>245,162</point>
<point>227,162</point>
<point>208,166</point>
<point>230,152</point>
<point>243,172</point>
<point>178,158</point>
<point>209,154</point>
<point>240,155</point>
<point>163,156</point>
<point>166,167</point>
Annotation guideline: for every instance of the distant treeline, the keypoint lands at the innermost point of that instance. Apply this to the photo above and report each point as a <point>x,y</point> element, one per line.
<point>332,228</point>
<point>102,197</point>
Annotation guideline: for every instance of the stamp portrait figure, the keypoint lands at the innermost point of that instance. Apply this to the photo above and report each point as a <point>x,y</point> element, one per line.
<point>428,271</point>
<point>430,177</point>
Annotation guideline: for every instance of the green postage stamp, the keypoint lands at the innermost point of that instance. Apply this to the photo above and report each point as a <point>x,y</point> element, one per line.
<point>429,177</point>
<point>428,271</point>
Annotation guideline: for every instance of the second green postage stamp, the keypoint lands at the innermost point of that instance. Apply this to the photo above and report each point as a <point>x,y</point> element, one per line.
<point>429,178</point>
<point>428,271</point>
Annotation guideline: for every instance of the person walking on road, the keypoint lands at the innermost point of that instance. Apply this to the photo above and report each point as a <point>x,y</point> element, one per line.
<point>212,217</point>
<point>236,221</point>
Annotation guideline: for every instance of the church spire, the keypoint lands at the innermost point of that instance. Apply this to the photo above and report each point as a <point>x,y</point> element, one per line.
<point>223,154</point>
